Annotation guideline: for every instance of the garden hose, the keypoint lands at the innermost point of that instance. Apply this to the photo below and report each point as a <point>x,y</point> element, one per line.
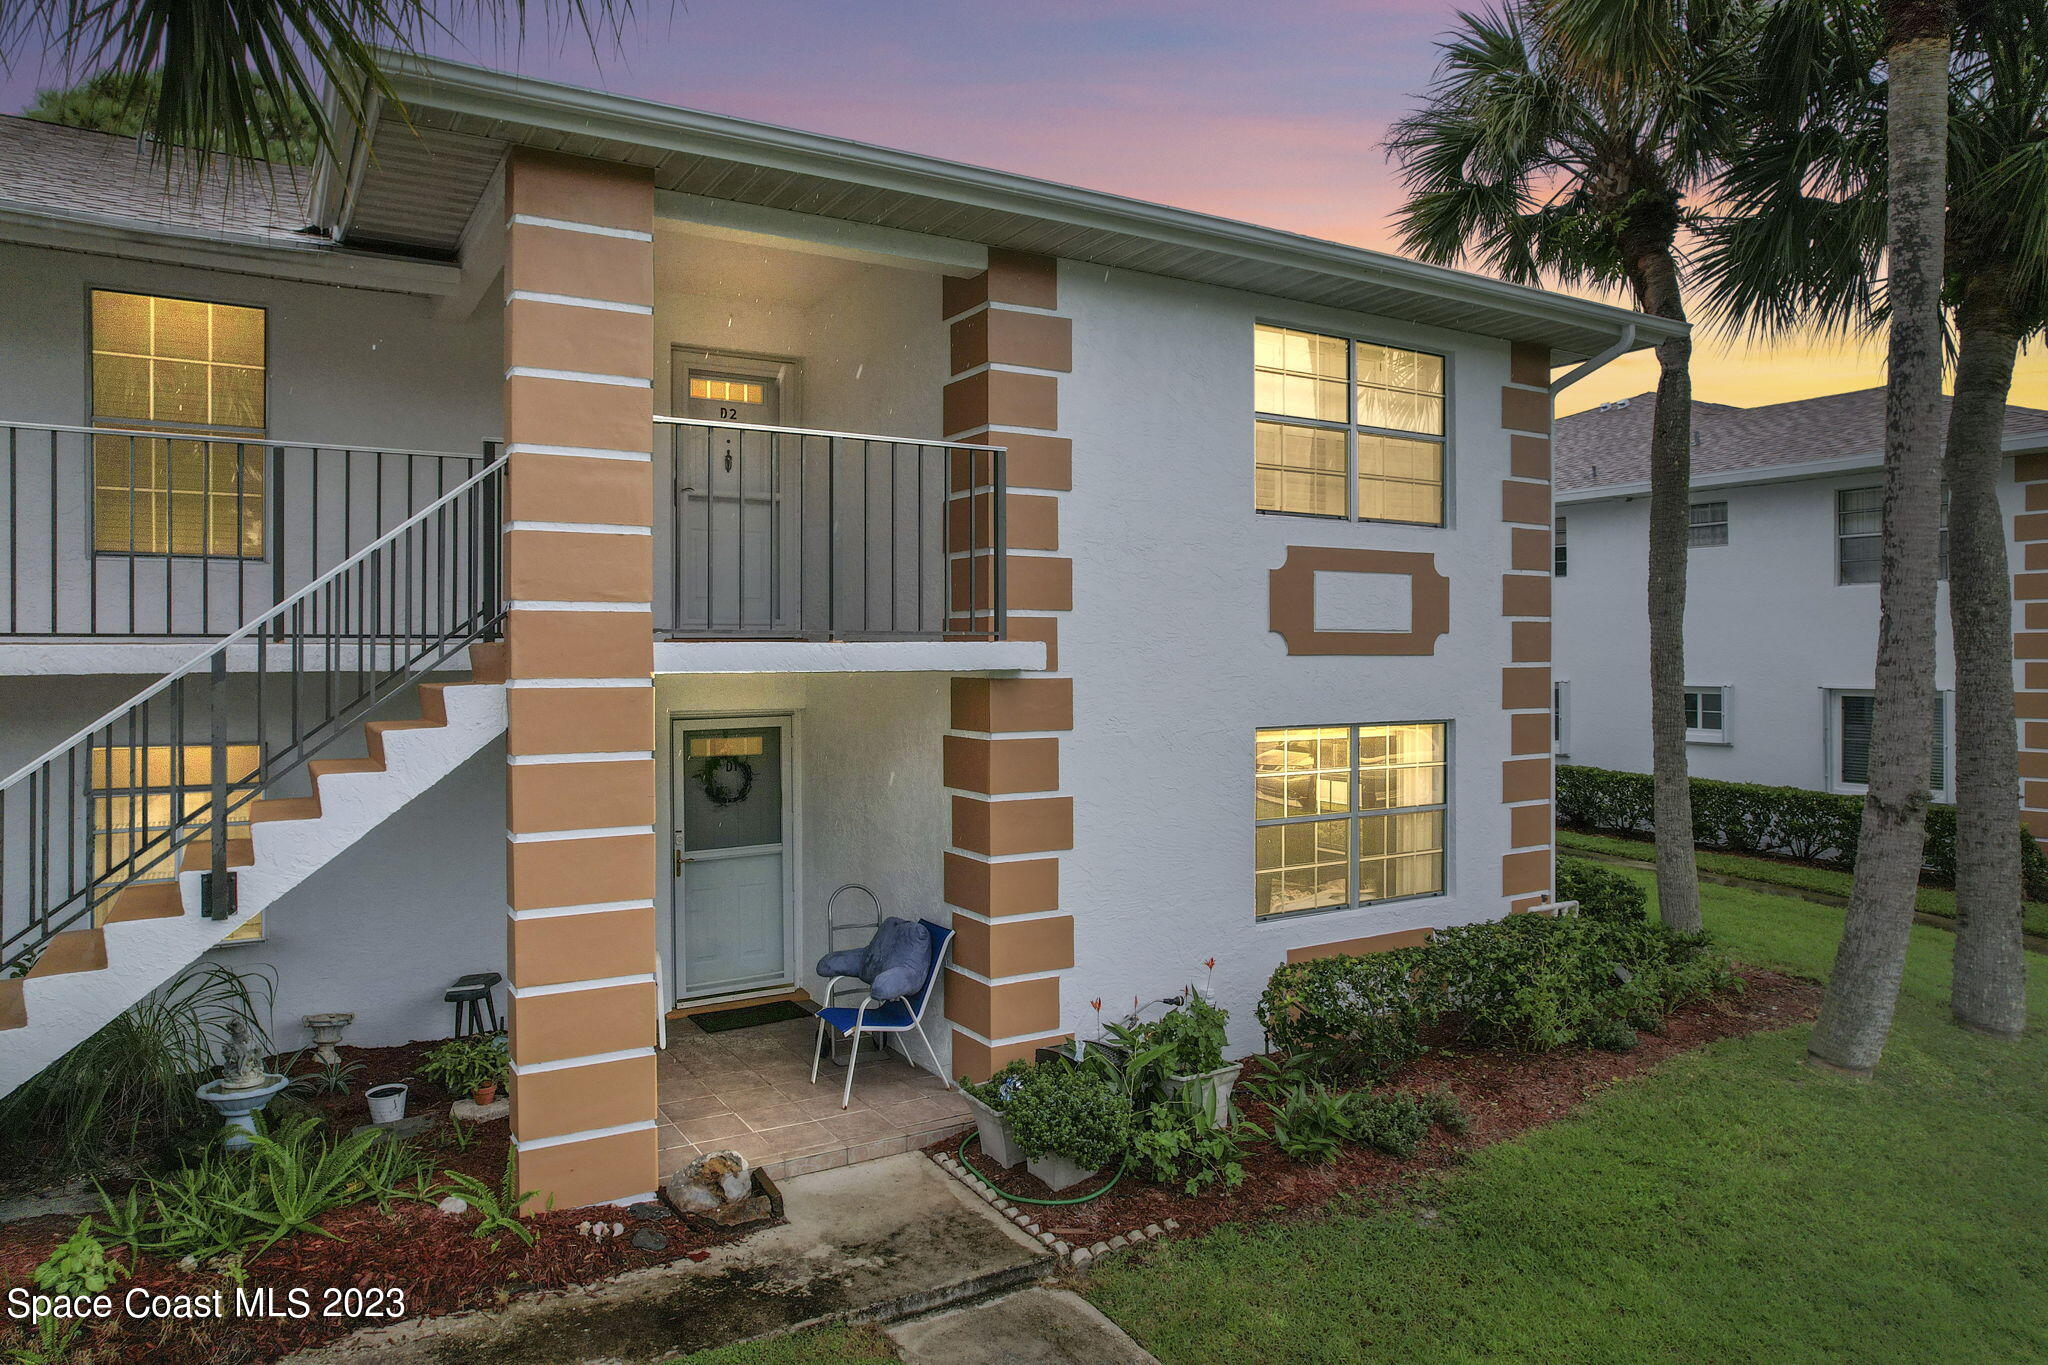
<point>974,1135</point>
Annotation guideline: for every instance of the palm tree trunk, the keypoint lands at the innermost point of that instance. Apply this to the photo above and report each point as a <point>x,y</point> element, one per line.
<point>1863,990</point>
<point>1988,990</point>
<point>1678,885</point>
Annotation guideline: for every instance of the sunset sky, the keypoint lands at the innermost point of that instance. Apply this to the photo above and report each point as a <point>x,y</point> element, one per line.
<point>1270,113</point>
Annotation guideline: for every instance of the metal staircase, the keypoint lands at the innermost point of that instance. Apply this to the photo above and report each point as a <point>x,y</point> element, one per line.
<point>156,831</point>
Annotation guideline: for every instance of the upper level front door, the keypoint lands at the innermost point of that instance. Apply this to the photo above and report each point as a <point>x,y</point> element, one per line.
<point>733,490</point>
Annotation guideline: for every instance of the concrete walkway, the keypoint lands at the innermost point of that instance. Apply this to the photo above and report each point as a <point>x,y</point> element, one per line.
<point>878,1241</point>
<point>1030,1327</point>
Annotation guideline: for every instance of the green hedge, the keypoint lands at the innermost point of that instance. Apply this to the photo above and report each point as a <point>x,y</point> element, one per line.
<point>1748,817</point>
<point>1527,981</point>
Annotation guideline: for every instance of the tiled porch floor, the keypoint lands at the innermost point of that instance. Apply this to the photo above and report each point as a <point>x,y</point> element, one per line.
<point>749,1090</point>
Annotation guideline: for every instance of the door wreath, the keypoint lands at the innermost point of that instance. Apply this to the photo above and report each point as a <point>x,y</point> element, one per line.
<point>726,780</point>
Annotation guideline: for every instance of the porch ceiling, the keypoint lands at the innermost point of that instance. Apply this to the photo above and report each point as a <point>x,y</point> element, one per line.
<point>429,165</point>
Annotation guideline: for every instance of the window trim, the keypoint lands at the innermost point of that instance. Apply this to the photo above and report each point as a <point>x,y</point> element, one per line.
<point>1691,525</point>
<point>1832,746</point>
<point>1560,718</point>
<point>1560,560</point>
<point>1354,816</point>
<point>1701,735</point>
<point>1941,566</point>
<point>254,436</point>
<point>1354,429</point>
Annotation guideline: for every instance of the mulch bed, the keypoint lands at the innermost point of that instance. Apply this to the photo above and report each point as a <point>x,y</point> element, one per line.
<point>1504,1094</point>
<point>435,1259</point>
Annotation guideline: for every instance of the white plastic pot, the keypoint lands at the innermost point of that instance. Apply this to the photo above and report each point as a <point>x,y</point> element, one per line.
<point>1058,1172</point>
<point>387,1102</point>
<point>998,1143</point>
<point>1216,1084</point>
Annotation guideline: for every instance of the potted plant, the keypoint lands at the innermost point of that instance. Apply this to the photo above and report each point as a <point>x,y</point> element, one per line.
<point>1193,1037</point>
<point>476,1066</point>
<point>988,1099</point>
<point>1070,1122</point>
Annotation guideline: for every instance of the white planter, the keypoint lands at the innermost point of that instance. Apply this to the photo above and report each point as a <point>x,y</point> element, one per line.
<point>998,1143</point>
<point>387,1102</point>
<point>1216,1084</point>
<point>1057,1172</point>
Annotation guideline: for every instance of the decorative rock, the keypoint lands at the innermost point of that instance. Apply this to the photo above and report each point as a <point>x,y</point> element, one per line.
<point>453,1204</point>
<point>718,1186</point>
<point>647,1239</point>
<point>1152,1230</point>
<point>1082,1257</point>
<point>1173,1225</point>
<point>188,1263</point>
<point>648,1211</point>
<point>1063,1248</point>
<point>1119,1242</point>
<point>1048,1238</point>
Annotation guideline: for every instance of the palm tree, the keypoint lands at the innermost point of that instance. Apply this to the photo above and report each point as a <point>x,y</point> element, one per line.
<point>1863,989</point>
<point>1566,139</point>
<point>233,71</point>
<point>1808,188</point>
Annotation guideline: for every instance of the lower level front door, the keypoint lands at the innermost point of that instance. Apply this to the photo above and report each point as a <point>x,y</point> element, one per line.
<point>733,898</point>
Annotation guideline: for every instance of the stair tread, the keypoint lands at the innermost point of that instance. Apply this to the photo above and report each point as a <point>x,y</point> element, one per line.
<point>74,950</point>
<point>197,856</point>
<point>144,900</point>
<point>13,1010</point>
<point>321,767</point>
<point>284,808</point>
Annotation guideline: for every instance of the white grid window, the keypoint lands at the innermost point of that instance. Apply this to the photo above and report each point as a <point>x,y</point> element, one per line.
<point>1706,715</point>
<point>1707,524</point>
<point>191,368</point>
<point>1347,428</point>
<point>1347,815</point>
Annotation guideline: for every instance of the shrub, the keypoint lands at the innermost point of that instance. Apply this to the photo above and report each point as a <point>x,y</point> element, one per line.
<point>995,1092</point>
<point>1445,1111</point>
<point>124,1096</point>
<point>1394,1124</point>
<point>1602,893</point>
<point>1310,1123</point>
<point>1748,817</point>
<point>1184,1143</point>
<point>1359,1015</point>
<point>460,1065</point>
<point>78,1266</point>
<point>1070,1111</point>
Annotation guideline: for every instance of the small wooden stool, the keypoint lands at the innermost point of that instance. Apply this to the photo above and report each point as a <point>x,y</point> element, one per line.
<point>471,996</point>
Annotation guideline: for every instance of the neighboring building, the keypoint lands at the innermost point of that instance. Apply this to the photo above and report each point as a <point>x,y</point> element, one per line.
<point>1781,609</point>
<point>1241,650</point>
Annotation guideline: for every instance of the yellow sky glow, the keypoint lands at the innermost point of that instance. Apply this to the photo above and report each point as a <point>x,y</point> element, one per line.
<point>1755,375</point>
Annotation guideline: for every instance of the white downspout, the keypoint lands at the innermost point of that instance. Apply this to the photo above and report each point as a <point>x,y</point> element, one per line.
<point>1624,343</point>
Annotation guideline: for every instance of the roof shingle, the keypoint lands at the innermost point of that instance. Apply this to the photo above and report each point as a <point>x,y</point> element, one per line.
<point>1611,444</point>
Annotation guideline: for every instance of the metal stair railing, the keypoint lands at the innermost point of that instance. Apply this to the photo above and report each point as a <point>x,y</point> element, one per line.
<point>117,803</point>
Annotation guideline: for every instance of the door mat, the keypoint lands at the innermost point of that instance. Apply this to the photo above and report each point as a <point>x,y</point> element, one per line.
<point>749,1016</point>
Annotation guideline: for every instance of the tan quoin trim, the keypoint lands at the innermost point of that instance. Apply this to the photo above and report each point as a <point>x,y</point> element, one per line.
<point>1525,599</point>
<point>1291,601</point>
<point>579,1173</point>
<point>554,1016</point>
<point>1015,358</point>
<point>2030,641</point>
<point>1358,947</point>
<point>578,1099</point>
<point>974,1058</point>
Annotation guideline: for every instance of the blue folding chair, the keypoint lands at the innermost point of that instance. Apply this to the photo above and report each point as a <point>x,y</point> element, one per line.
<point>900,1015</point>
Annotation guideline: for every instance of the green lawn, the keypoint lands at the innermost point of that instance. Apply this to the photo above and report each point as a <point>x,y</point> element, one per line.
<point>818,1346</point>
<point>1931,900</point>
<point>1733,1205</point>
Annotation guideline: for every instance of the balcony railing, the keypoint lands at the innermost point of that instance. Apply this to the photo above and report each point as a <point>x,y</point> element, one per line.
<point>786,533</point>
<point>151,534</point>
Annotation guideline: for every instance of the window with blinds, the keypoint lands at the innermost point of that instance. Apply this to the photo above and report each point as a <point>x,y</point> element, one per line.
<point>1347,815</point>
<point>1707,524</point>
<point>1859,534</point>
<point>1854,716</point>
<point>189,369</point>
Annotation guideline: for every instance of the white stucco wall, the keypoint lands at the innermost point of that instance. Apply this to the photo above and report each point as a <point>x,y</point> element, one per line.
<point>869,805</point>
<point>1765,619</point>
<point>345,368</point>
<point>1174,664</point>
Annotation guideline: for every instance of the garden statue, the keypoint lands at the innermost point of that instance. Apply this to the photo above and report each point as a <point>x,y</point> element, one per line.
<point>244,1086</point>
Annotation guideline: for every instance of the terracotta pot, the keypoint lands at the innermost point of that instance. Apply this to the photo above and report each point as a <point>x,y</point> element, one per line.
<point>487,1093</point>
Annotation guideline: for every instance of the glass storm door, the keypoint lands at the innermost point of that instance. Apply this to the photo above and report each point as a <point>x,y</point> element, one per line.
<point>733,870</point>
<point>730,530</point>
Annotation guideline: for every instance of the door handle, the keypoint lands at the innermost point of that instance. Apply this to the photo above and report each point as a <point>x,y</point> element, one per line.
<point>680,860</point>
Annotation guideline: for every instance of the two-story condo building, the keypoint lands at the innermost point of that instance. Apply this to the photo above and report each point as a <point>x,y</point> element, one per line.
<point>571,537</point>
<point>1781,599</point>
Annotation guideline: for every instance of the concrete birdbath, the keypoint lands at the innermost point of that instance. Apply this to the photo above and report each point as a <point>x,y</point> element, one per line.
<point>327,1030</point>
<point>244,1086</point>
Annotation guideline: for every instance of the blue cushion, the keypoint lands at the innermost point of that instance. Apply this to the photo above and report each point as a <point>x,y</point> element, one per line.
<point>897,959</point>
<point>892,1017</point>
<point>845,962</point>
